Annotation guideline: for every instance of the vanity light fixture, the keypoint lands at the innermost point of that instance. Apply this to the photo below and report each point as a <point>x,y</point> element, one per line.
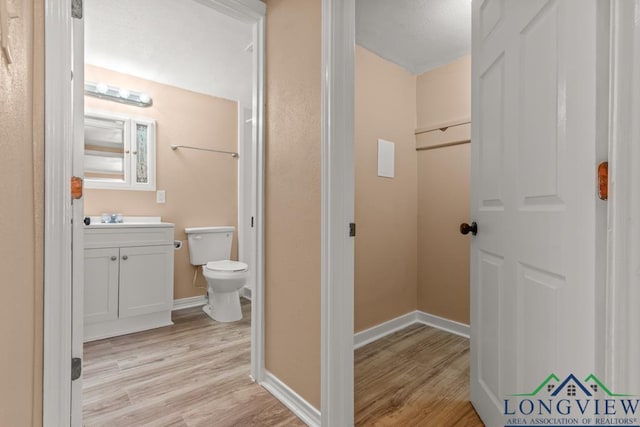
<point>116,94</point>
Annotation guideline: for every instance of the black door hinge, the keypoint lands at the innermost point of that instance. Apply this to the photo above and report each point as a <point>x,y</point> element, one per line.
<point>76,9</point>
<point>76,368</point>
<point>352,229</point>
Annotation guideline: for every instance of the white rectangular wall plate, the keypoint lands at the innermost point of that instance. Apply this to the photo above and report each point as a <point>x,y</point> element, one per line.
<point>161,196</point>
<point>386,158</point>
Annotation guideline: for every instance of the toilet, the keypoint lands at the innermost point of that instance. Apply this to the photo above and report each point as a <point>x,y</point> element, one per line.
<point>210,248</point>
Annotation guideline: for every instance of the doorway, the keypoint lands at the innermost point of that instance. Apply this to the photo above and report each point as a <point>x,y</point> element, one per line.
<point>59,401</point>
<point>489,281</point>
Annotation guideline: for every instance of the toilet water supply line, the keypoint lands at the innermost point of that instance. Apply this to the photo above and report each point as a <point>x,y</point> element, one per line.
<point>195,276</point>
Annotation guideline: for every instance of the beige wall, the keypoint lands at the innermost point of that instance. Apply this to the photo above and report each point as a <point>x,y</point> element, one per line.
<point>386,208</point>
<point>201,188</point>
<point>444,97</point>
<point>292,194</point>
<point>21,235</point>
<point>444,94</point>
<point>443,204</point>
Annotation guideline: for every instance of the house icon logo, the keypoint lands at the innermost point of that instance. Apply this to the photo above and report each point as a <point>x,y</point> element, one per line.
<point>571,401</point>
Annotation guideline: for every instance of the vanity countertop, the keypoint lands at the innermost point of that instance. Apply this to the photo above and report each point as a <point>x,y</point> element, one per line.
<point>130,222</point>
<point>131,225</point>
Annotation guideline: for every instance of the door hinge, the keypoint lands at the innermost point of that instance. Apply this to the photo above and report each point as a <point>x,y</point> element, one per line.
<point>76,187</point>
<point>352,229</point>
<point>76,368</point>
<point>76,9</point>
<point>603,180</point>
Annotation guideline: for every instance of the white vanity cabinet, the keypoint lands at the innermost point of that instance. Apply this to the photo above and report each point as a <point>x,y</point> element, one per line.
<point>128,285</point>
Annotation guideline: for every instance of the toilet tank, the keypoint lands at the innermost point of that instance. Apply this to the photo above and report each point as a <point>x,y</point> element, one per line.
<point>209,244</point>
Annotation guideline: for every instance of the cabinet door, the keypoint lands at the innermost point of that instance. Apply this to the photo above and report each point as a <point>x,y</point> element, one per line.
<point>146,280</point>
<point>100,284</point>
<point>143,150</point>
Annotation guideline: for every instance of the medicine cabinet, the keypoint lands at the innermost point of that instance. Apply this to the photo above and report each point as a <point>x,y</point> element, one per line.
<point>119,152</point>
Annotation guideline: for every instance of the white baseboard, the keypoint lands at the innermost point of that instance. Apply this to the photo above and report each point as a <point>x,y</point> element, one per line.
<point>383,329</point>
<point>387,328</point>
<point>197,301</point>
<point>292,400</point>
<point>441,323</point>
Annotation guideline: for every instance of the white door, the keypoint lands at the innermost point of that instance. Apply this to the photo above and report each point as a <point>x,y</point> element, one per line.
<point>539,116</point>
<point>77,314</point>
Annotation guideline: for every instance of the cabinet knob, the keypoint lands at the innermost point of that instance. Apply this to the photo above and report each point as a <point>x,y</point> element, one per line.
<point>113,258</point>
<point>124,257</point>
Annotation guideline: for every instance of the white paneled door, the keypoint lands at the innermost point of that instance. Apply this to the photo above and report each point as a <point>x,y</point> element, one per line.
<point>539,128</point>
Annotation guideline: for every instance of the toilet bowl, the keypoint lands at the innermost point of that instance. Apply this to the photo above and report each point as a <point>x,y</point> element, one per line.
<point>210,247</point>
<point>224,280</point>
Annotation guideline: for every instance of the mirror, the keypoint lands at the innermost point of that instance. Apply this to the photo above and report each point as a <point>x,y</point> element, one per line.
<point>104,140</point>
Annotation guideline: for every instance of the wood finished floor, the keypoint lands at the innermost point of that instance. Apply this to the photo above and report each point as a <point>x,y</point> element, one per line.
<point>196,373</point>
<point>418,376</point>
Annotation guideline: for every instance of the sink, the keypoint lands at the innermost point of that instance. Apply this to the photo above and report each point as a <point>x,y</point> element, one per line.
<point>130,222</point>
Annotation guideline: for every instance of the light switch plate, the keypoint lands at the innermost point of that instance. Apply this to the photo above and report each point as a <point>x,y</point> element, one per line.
<point>161,196</point>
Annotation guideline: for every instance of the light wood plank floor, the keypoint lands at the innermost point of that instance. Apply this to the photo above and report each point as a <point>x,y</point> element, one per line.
<point>418,376</point>
<point>194,373</point>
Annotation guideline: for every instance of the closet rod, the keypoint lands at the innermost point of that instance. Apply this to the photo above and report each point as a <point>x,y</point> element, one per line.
<point>233,153</point>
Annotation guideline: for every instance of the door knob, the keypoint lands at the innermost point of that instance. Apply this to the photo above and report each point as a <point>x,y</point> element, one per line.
<point>124,257</point>
<point>113,258</point>
<point>466,228</point>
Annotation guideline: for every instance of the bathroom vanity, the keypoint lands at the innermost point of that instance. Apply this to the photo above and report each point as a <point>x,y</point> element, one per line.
<point>128,284</point>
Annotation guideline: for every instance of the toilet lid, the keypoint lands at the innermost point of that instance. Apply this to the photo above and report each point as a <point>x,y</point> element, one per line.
<point>226,265</point>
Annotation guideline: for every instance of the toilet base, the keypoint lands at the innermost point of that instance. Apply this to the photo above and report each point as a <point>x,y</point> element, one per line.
<point>224,306</point>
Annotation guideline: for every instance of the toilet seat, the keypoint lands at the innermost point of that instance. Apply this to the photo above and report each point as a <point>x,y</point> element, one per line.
<point>226,266</point>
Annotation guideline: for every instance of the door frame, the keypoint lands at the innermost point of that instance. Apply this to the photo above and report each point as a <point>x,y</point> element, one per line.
<point>246,208</point>
<point>622,344</point>
<point>57,214</point>
<point>338,195</point>
<point>57,402</point>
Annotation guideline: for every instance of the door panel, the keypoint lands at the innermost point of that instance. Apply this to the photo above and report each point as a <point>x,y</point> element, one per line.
<point>491,130</point>
<point>533,262</point>
<point>100,284</point>
<point>146,280</point>
<point>539,104</point>
<point>490,283</point>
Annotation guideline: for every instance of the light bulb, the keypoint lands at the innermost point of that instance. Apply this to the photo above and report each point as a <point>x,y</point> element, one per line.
<point>124,93</point>
<point>102,88</point>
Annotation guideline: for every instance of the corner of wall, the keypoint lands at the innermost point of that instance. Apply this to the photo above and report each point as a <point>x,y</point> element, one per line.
<point>38,125</point>
<point>385,109</point>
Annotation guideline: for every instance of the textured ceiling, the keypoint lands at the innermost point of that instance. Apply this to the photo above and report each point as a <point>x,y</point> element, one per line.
<point>176,42</point>
<point>186,44</point>
<point>418,35</point>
